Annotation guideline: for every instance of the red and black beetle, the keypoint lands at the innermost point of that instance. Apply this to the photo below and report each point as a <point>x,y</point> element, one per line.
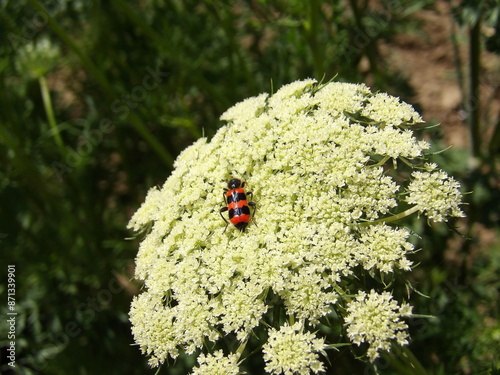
<point>237,204</point>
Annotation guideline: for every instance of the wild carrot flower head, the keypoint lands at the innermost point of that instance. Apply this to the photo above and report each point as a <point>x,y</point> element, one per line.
<point>319,160</point>
<point>375,319</point>
<point>217,364</point>
<point>290,350</point>
<point>434,193</point>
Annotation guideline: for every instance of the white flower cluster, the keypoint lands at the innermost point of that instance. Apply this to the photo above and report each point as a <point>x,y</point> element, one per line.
<point>217,364</point>
<point>290,351</point>
<point>312,156</point>
<point>375,319</point>
<point>384,248</point>
<point>435,193</point>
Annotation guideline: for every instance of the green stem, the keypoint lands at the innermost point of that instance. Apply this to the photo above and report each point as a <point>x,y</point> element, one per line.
<point>495,139</point>
<point>457,59</point>
<point>47,103</point>
<point>381,162</point>
<point>473,100</point>
<point>153,142</point>
<point>312,37</point>
<point>241,348</point>
<point>413,361</point>
<point>390,219</point>
<point>370,48</point>
<point>404,361</point>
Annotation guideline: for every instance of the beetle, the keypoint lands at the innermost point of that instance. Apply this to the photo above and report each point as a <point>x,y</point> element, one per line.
<point>237,204</point>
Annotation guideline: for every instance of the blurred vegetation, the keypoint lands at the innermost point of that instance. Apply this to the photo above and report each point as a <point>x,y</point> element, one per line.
<point>98,98</point>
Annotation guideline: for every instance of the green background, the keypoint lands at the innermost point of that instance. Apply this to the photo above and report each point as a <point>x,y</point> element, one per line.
<point>99,97</point>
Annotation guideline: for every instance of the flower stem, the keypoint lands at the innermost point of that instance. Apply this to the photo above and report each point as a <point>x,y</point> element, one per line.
<point>472,105</point>
<point>241,348</point>
<point>404,361</point>
<point>47,103</point>
<point>390,219</point>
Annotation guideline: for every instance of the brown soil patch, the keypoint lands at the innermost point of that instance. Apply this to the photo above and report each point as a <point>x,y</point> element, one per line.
<point>431,60</point>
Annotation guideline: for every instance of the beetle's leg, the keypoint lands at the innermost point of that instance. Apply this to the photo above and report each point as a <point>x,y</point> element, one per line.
<point>254,205</point>
<point>224,209</point>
